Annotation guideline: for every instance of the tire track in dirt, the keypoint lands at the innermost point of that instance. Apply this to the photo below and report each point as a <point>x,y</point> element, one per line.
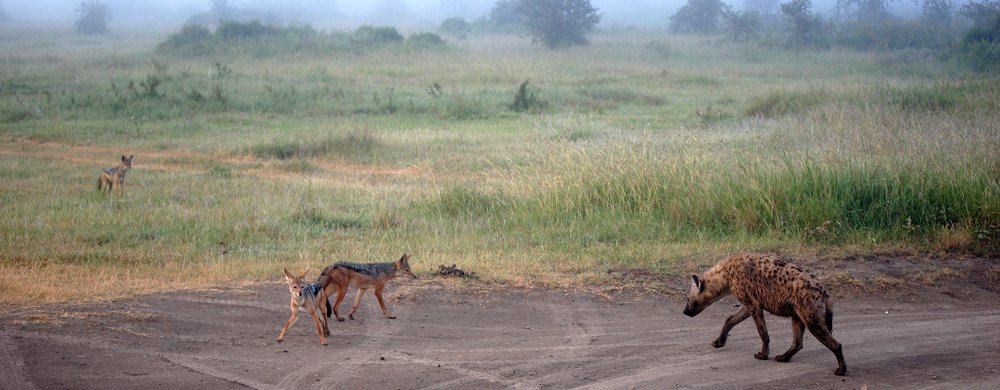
<point>12,365</point>
<point>189,363</point>
<point>374,334</point>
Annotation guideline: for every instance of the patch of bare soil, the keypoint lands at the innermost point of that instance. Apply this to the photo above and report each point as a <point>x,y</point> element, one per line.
<point>925,328</point>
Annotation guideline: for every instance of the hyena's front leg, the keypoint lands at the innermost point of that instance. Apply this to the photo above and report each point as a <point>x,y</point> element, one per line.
<point>765,341</point>
<point>729,324</point>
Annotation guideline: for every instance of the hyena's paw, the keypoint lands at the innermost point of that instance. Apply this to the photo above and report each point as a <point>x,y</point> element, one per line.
<point>840,371</point>
<point>719,343</point>
<point>760,355</point>
<point>782,358</point>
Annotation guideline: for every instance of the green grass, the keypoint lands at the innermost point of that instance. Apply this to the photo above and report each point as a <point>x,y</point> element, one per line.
<point>636,157</point>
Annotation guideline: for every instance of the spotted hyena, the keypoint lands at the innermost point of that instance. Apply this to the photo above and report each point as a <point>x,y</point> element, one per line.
<point>763,282</point>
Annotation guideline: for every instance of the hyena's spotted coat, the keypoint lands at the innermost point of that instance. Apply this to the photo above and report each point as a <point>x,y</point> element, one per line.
<point>762,282</point>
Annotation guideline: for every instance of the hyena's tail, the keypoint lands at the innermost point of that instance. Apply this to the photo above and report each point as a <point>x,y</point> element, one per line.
<point>829,319</point>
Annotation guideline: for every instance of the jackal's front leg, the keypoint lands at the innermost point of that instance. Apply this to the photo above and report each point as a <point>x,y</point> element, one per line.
<point>291,320</point>
<point>378,296</point>
<point>357,301</point>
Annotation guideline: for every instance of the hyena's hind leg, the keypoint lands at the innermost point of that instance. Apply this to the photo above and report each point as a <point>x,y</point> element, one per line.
<point>819,329</point>
<point>734,319</point>
<point>798,328</point>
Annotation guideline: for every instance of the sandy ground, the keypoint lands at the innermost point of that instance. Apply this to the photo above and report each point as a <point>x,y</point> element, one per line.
<point>487,338</point>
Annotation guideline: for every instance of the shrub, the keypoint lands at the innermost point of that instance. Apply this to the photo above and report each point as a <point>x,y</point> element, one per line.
<point>192,39</point>
<point>980,47</point>
<point>425,40</point>
<point>455,26</point>
<point>230,30</point>
<point>377,35</point>
<point>525,100</point>
<point>895,36</point>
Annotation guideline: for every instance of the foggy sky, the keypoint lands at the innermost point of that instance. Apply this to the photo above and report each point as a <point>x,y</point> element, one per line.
<point>347,13</point>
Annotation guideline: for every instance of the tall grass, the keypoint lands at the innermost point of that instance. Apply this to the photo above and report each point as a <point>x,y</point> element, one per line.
<point>246,165</point>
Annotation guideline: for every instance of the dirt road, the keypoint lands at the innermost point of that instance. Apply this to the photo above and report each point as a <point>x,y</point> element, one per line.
<point>448,338</point>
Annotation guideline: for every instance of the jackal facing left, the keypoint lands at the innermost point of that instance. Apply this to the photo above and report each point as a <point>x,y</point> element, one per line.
<point>114,177</point>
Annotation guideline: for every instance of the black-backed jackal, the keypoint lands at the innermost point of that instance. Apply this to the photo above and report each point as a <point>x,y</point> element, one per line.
<point>342,275</point>
<point>308,298</point>
<point>114,177</point>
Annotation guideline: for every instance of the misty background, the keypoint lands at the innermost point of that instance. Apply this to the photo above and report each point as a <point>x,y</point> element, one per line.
<point>406,14</point>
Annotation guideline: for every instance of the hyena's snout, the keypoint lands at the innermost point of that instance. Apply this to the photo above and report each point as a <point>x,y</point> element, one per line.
<point>692,310</point>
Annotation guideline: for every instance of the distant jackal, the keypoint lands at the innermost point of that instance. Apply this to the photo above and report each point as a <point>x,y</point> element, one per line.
<point>762,282</point>
<point>308,298</point>
<point>342,275</point>
<point>114,177</point>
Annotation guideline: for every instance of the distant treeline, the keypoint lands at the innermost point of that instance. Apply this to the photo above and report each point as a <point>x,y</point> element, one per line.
<point>258,39</point>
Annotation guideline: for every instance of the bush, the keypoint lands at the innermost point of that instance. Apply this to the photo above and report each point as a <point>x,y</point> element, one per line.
<point>230,30</point>
<point>525,99</point>
<point>425,40</point>
<point>377,35</point>
<point>192,39</point>
<point>896,35</point>
<point>455,26</point>
<point>980,47</point>
<point>94,16</point>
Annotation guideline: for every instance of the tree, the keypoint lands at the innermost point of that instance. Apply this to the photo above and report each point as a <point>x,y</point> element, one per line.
<point>697,16</point>
<point>807,29</point>
<point>938,12</point>
<point>559,23</point>
<point>763,7</point>
<point>506,13</point>
<point>981,13</point>
<point>871,12</point>
<point>94,16</point>
<point>740,26</point>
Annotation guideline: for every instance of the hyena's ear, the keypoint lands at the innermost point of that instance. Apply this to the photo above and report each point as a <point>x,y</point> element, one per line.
<point>697,284</point>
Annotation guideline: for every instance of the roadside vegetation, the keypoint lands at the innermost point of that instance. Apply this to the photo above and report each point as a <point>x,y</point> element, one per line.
<point>642,150</point>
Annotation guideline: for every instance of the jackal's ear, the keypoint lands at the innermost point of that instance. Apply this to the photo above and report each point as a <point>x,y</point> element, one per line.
<point>288,275</point>
<point>405,258</point>
<point>696,283</point>
<point>304,274</point>
<point>123,158</point>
